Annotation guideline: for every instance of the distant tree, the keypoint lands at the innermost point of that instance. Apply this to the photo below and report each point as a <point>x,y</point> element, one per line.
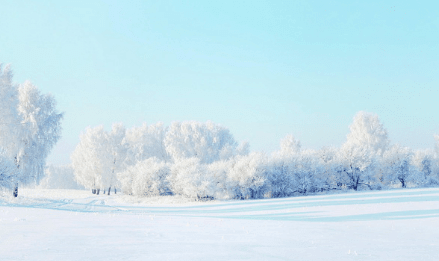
<point>280,177</point>
<point>247,176</point>
<point>190,178</point>
<point>290,146</point>
<point>99,156</point>
<point>116,151</point>
<point>330,168</point>
<point>87,158</point>
<point>366,142</point>
<point>282,172</point>
<point>206,141</point>
<point>397,164</point>
<point>424,161</point>
<point>146,142</point>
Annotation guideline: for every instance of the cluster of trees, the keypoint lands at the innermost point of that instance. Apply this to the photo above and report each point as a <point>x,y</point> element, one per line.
<point>29,128</point>
<point>197,160</point>
<point>144,156</point>
<point>203,161</point>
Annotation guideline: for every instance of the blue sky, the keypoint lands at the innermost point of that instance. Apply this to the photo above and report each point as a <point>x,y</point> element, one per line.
<point>263,69</point>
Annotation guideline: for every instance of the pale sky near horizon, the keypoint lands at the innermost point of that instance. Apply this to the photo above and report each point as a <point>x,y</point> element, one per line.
<point>263,69</point>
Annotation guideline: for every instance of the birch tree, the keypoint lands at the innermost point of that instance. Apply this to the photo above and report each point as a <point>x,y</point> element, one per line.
<point>30,126</point>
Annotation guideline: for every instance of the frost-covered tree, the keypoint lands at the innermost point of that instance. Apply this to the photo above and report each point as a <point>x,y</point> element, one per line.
<point>330,167</point>
<point>206,141</point>
<point>41,125</point>
<point>280,177</point>
<point>366,142</point>
<point>397,163</point>
<point>424,161</point>
<point>247,176</point>
<point>10,120</point>
<point>146,178</point>
<point>87,158</point>
<point>221,186</point>
<point>29,127</point>
<point>10,125</point>
<point>8,171</point>
<point>116,150</point>
<point>308,173</point>
<point>90,159</point>
<point>279,171</point>
<point>189,178</point>
<point>146,142</point>
<point>99,156</point>
<point>296,173</point>
<point>289,145</point>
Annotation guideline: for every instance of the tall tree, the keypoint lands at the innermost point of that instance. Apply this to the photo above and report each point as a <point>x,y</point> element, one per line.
<point>366,141</point>
<point>87,158</point>
<point>29,127</point>
<point>99,156</point>
<point>41,129</point>
<point>116,151</point>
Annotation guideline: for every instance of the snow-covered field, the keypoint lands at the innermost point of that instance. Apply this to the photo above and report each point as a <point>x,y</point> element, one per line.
<point>76,225</point>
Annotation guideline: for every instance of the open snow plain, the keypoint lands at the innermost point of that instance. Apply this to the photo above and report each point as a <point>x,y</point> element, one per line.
<point>76,225</point>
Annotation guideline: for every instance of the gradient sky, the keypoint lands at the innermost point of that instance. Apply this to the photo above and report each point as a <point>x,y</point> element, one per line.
<point>263,69</point>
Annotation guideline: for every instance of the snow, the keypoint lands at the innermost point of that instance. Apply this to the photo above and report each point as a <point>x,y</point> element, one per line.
<point>76,225</point>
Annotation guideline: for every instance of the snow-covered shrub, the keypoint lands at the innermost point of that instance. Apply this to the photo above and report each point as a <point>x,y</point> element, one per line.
<point>222,186</point>
<point>190,178</point>
<point>146,178</point>
<point>247,176</point>
<point>279,178</point>
<point>308,173</point>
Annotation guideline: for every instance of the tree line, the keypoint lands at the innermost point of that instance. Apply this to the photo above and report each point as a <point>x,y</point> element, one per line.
<point>203,161</point>
<point>197,160</point>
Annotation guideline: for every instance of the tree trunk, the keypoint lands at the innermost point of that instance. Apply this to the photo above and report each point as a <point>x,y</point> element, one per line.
<point>15,193</point>
<point>97,192</point>
<point>109,189</point>
<point>355,184</point>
